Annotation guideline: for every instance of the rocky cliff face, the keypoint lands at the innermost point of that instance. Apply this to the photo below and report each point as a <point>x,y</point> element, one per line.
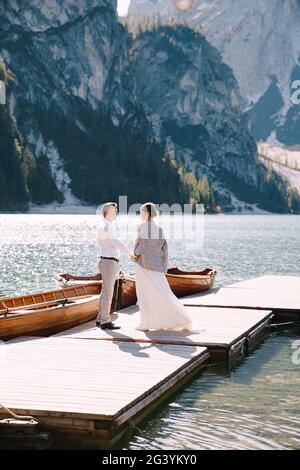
<point>193,101</point>
<point>68,58</point>
<point>260,41</point>
<point>72,101</point>
<point>94,112</point>
<point>77,49</point>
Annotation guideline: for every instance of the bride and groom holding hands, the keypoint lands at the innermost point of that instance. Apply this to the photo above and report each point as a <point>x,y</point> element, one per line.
<point>159,307</point>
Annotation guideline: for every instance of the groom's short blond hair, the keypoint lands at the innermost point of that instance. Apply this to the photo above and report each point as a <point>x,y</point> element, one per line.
<point>107,206</point>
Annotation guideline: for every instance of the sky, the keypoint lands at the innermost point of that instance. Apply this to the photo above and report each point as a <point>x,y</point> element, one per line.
<point>123,6</point>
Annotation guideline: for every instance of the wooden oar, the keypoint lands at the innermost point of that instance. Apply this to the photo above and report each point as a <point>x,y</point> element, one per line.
<point>28,307</point>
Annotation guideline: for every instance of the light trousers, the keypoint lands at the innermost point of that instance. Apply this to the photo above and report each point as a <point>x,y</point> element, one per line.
<point>109,270</point>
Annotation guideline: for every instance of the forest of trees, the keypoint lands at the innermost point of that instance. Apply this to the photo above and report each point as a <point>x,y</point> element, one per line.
<point>105,162</point>
<point>137,24</point>
<point>13,193</point>
<point>23,178</point>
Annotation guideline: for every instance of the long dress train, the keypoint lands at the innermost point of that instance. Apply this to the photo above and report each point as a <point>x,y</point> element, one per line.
<point>159,307</point>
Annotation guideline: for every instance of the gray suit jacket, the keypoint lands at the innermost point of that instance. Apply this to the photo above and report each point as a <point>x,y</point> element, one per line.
<point>151,247</point>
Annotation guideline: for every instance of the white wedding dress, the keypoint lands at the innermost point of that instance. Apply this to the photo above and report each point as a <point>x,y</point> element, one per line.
<point>159,307</point>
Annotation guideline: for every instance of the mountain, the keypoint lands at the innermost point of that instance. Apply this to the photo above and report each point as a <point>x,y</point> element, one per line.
<point>193,101</point>
<point>284,161</point>
<point>96,110</point>
<point>73,108</point>
<point>260,41</point>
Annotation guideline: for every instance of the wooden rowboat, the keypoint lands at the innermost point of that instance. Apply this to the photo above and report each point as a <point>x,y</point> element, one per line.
<point>185,283</point>
<point>47,313</point>
<point>125,294</point>
<point>43,314</point>
<point>182,283</point>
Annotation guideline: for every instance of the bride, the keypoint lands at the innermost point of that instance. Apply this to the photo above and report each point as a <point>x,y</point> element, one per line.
<point>159,307</point>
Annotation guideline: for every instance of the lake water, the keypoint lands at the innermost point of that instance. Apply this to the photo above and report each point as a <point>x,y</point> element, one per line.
<point>254,406</point>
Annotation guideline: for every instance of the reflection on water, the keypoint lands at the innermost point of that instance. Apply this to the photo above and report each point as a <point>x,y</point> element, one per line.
<point>254,406</point>
<point>34,247</point>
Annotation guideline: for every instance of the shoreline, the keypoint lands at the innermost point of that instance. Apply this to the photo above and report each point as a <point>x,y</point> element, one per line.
<point>222,214</point>
<point>92,210</point>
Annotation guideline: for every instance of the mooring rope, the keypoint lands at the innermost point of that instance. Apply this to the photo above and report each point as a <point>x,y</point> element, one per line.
<point>133,426</point>
<point>14,415</point>
<point>285,324</point>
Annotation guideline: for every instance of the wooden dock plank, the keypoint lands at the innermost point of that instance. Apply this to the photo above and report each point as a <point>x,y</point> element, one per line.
<point>221,327</point>
<point>88,379</point>
<point>276,293</point>
<point>281,284</point>
<point>247,298</point>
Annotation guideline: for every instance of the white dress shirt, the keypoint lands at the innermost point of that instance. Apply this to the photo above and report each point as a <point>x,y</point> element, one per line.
<point>110,246</point>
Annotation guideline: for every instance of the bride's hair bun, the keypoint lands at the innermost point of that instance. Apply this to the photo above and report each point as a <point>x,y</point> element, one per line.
<point>150,208</point>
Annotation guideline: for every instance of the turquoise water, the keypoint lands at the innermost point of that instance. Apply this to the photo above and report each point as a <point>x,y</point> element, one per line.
<point>256,405</point>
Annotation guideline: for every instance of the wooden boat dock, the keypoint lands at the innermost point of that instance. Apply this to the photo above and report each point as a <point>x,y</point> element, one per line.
<point>93,385</point>
<point>281,294</point>
<point>90,389</point>
<point>224,332</point>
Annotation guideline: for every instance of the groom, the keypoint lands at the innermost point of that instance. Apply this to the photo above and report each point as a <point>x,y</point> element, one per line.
<point>111,249</point>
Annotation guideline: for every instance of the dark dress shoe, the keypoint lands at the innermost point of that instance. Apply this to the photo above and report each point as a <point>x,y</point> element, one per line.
<point>109,326</point>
